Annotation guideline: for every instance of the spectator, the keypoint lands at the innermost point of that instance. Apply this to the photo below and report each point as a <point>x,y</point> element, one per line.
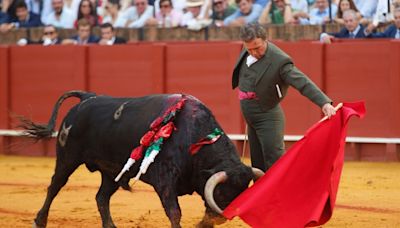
<point>221,10</point>
<point>247,13</point>
<point>179,5</point>
<point>320,13</point>
<point>194,19</point>
<point>393,31</point>
<point>383,14</point>
<point>60,17</point>
<point>138,15</point>
<point>167,17</point>
<point>114,16</point>
<point>353,29</point>
<point>108,35</point>
<point>84,34</point>
<point>367,8</point>
<point>88,11</point>
<point>277,12</point>
<point>50,36</point>
<point>346,5</point>
<point>299,11</point>
<point>24,18</point>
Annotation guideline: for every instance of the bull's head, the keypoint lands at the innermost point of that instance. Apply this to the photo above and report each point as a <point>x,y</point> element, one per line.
<point>232,184</point>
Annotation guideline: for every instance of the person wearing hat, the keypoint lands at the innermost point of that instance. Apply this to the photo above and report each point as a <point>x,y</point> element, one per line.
<point>247,12</point>
<point>263,74</point>
<point>196,16</point>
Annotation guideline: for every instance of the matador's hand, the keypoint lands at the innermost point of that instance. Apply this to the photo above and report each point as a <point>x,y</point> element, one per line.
<point>328,110</point>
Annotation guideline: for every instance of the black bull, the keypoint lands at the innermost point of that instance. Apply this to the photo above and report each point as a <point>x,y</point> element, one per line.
<point>101,131</point>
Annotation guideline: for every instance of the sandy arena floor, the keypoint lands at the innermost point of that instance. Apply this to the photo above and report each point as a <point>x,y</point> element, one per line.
<point>369,196</point>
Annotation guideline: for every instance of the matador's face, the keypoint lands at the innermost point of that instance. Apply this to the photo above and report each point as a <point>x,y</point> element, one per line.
<point>256,47</point>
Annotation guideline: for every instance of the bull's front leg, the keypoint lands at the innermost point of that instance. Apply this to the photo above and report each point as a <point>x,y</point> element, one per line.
<point>169,200</point>
<point>106,190</point>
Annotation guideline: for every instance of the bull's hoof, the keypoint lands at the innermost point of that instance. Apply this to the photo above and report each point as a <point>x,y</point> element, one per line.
<point>34,225</point>
<point>203,224</point>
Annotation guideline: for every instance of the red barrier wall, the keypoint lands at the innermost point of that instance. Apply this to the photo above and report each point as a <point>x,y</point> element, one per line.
<point>38,76</point>
<point>205,71</point>
<point>4,95</point>
<point>126,70</point>
<point>367,71</point>
<point>300,112</point>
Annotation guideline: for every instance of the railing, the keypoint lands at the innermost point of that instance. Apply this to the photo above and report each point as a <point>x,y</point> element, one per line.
<point>242,137</point>
<point>277,32</point>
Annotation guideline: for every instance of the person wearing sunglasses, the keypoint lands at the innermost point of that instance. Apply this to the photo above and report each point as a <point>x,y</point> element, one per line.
<point>167,16</point>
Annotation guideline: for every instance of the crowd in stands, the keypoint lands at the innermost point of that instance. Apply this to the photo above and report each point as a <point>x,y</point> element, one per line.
<point>359,18</point>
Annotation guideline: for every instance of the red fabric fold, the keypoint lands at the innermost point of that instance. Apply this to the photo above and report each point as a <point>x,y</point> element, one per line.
<point>300,189</point>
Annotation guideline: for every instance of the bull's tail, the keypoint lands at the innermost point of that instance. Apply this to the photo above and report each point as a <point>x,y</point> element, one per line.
<point>40,131</point>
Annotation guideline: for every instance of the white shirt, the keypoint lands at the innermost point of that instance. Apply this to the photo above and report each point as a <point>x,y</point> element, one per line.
<point>299,5</point>
<point>118,23</point>
<point>66,19</point>
<point>138,21</point>
<point>382,15</point>
<point>250,60</point>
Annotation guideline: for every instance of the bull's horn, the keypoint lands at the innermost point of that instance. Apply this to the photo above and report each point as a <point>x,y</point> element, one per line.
<point>257,173</point>
<point>212,182</point>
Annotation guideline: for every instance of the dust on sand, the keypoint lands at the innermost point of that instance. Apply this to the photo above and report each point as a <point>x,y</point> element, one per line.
<point>369,196</point>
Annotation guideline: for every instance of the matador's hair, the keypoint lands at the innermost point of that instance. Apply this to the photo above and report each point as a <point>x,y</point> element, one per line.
<point>252,31</point>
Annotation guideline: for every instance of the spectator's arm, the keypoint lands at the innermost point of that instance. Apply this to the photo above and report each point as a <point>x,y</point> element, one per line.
<point>264,17</point>
<point>232,17</point>
<point>339,20</point>
<point>288,13</point>
<point>5,5</point>
<point>254,14</point>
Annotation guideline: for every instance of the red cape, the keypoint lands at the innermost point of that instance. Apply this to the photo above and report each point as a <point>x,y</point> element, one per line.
<point>300,189</point>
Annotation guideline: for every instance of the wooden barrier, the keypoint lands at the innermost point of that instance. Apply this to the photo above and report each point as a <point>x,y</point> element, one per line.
<point>33,77</point>
<point>281,32</point>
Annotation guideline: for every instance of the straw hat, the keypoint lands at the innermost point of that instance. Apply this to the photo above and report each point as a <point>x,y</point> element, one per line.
<point>194,3</point>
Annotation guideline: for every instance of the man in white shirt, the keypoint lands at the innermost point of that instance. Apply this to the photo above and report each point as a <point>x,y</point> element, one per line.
<point>138,15</point>
<point>60,17</point>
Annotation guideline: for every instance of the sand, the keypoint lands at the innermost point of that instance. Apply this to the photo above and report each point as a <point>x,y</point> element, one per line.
<point>369,196</point>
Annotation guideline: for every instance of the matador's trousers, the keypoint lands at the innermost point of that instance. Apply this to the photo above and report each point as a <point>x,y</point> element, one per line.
<point>265,132</point>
